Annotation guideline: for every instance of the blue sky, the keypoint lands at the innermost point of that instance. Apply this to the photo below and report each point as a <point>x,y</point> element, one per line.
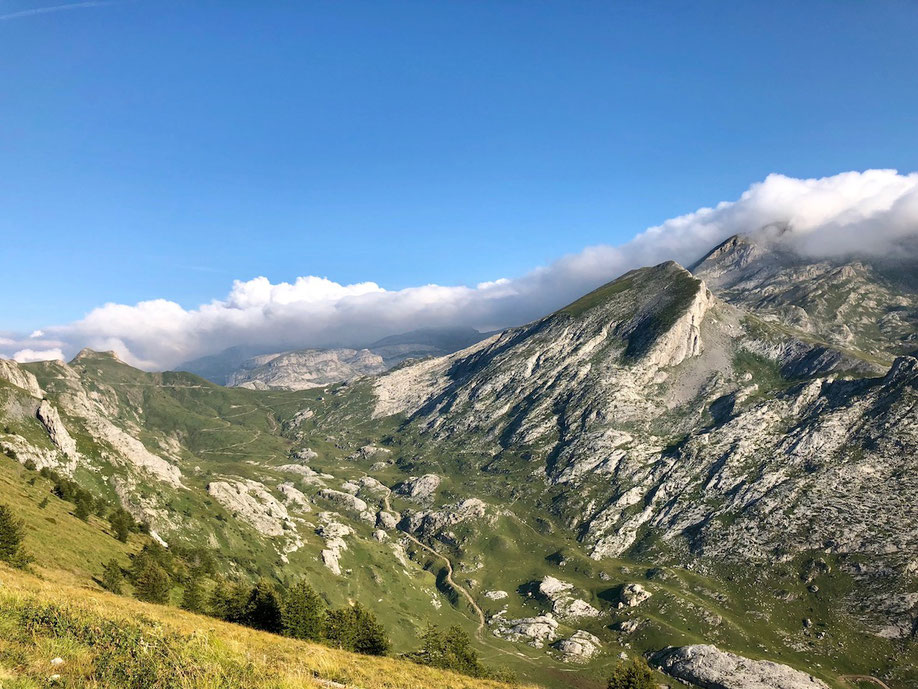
<point>162,149</point>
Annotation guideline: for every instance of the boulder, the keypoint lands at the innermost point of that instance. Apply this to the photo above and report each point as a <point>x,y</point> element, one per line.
<point>294,498</point>
<point>386,520</point>
<point>436,520</point>
<point>536,631</point>
<point>563,603</point>
<point>632,595</point>
<point>579,647</point>
<point>349,502</point>
<point>419,488</point>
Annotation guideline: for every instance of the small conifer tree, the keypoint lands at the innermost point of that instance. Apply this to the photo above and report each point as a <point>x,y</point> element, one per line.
<point>112,576</point>
<point>264,609</point>
<point>152,583</point>
<point>12,531</point>
<point>193,595</point>
<point>304,613</point>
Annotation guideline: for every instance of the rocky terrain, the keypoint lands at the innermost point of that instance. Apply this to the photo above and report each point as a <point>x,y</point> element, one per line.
<point>861,303</point>
<point>702,467</point>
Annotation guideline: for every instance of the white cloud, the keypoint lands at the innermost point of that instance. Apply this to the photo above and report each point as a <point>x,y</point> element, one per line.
<point>24,356</point>
<point>871,212</point>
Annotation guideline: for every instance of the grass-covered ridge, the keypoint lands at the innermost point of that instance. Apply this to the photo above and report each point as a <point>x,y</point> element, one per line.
<point>108,641</point>
<point>598,296</point>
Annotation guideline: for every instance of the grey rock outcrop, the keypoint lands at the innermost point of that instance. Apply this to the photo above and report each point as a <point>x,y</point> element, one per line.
<point>435,521</point>
<point>386,520</point>
<point>564,604</point>
<point>536,631</point>
<point>632,595</point>
<point>51,420</point>
<point>13,373</point>
<point>350,502</point>
<point>333,533</point>
<point>710,668</point>
<point>252,503</point>
<point>419,488</point>
<point>579,647</point>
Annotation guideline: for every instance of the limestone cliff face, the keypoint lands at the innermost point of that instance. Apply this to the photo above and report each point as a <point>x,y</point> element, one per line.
<point>51,420</point>
<point>14,374</point>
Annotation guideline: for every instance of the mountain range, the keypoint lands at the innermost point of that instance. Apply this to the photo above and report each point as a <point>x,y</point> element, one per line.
<point>306,368</point>
<point>710,467</point>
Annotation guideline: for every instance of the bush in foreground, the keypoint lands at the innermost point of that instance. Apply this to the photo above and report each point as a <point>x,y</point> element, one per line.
<point>633,675</point>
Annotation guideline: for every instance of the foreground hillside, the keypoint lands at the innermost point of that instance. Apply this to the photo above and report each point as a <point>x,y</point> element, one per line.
<point>62,635</point>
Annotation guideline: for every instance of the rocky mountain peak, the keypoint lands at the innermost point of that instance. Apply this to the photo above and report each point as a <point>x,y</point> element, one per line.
<point>87,354</point>
<point>862,303</point>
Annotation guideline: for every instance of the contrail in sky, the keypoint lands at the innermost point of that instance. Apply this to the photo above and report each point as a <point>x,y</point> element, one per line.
<point>55,8</point>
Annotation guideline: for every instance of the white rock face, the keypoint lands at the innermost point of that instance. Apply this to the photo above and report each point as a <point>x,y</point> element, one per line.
<point>370,451</point>
<point>98,413</point>
<point>496,595</point>
<point>551,587</point>
<point>13,373</point>
<point>709,667</point>
<point>309,475</point>
<point>536,631</point>
<point>25,451</point>
<point>350,502</point>
<point>563,603</point>
<point>251,502</point>
<point>579,647</point>
<point>368,484</point>
<point>407,388</point>
<point>633,595</point>
<point>683,339</point>
<point>51,420</point>
<point>419,488</point>
<point>333,533</point>
<point>386,520</point>
<point>294,497</point>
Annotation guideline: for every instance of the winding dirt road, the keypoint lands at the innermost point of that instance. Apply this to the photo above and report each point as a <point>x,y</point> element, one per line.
<point>451,581</point>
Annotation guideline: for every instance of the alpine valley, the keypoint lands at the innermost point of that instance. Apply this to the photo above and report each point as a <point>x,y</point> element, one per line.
<point>713,468</point>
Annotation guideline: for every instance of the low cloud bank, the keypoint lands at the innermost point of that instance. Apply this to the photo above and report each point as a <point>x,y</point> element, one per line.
<point>873,212</point>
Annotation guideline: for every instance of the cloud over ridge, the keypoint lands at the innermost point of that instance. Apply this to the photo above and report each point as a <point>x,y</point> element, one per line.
<point>871,212</point>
